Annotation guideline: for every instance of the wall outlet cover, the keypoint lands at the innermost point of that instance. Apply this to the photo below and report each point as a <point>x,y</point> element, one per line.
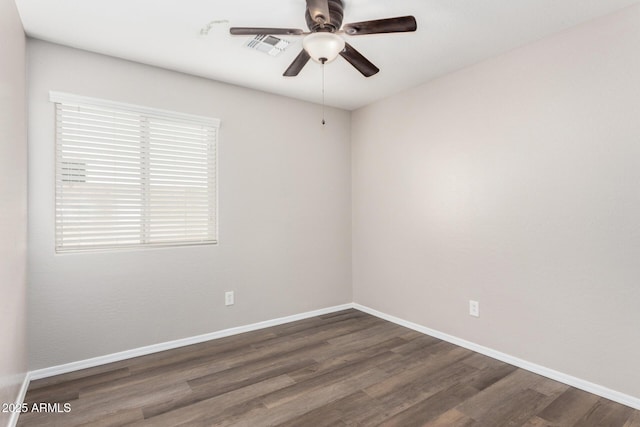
<point>474,308</point>
<point>229,298</point>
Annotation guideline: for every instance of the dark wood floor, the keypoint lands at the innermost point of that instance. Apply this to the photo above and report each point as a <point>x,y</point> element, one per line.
<point>342,369</point>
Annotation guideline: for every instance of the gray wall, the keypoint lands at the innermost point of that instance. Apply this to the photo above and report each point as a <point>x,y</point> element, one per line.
<point>284,217</point>
<point>13,206</point>
<point>514,182</point>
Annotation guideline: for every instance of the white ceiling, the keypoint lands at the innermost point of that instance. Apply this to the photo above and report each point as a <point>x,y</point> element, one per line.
<point>452,34</point>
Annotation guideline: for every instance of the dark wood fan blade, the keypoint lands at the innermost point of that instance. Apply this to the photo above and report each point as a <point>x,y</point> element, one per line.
<point>297,65</point>
<point>319,9</point>
<point>402,24</point>
<point>254,31</point>
<point>360,63</point>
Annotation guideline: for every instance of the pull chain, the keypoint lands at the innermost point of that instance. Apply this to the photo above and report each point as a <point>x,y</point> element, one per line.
<point>323,61</point>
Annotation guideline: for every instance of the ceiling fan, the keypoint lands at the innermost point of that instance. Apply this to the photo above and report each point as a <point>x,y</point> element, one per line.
<point>323,42</point>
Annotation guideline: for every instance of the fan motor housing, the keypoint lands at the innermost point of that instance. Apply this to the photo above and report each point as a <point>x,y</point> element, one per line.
<point>336,12</point>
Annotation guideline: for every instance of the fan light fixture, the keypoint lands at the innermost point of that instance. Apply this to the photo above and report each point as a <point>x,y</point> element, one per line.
<point>323,47</point>
<point>324,19</point>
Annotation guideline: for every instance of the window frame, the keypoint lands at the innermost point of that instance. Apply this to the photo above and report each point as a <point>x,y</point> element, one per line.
<point>145,113</point>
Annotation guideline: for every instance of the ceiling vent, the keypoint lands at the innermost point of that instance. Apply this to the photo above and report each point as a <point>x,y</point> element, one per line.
<point>268,44</point>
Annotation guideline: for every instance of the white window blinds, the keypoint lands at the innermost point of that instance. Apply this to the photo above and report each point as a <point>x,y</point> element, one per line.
<point>129,176</point>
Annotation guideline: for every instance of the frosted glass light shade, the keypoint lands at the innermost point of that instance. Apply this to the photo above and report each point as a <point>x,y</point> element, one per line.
<point>321,46</point>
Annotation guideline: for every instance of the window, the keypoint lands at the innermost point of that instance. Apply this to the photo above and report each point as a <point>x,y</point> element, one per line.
<point>129,176</point>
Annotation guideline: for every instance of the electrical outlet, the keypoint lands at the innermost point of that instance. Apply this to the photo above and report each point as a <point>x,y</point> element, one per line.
<point>229,298</point>
<point>474,308</point>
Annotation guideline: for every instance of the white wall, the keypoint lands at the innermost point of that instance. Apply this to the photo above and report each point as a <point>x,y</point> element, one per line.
<point>515,182</point>
<point>13,206</point>
<point>284,207</point>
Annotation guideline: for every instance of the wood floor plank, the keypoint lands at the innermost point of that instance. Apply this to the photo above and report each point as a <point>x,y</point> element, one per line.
<point>125,417</point>
<point>52,394</point>
<point>297,404</point>
<point>537,422</point>
<point>550,388</point>
<point>516,410</point>
<point>429,409</point>
<point>451,418</point>
<point>605,413</point>
<point>233,379</point>
<point>238,349</point>
<point>481,361</point>
<point>207,386</point>
<point>490,375</point>
<point>416,392</point>
<point>416,344</point>
<point>99,407</point>
<point>634,420</point>
<point>507,389</point>
<point>340,369</point>
<point>568,408</point>
<point>401,375</point>
<point>222,406</point>
<point>333,414</point>
<point>341,359</point>
<point>327,379</point>
<point>218,348</point>
<point>77,379</point>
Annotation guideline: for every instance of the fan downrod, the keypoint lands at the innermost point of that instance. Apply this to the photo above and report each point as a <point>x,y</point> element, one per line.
<point>336,13</point>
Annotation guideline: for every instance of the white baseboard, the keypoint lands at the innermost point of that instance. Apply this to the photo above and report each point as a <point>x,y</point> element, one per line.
<point>596,389</point>
<point>587,386</point>
<point>143,351</point>
<point>13,421</point>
